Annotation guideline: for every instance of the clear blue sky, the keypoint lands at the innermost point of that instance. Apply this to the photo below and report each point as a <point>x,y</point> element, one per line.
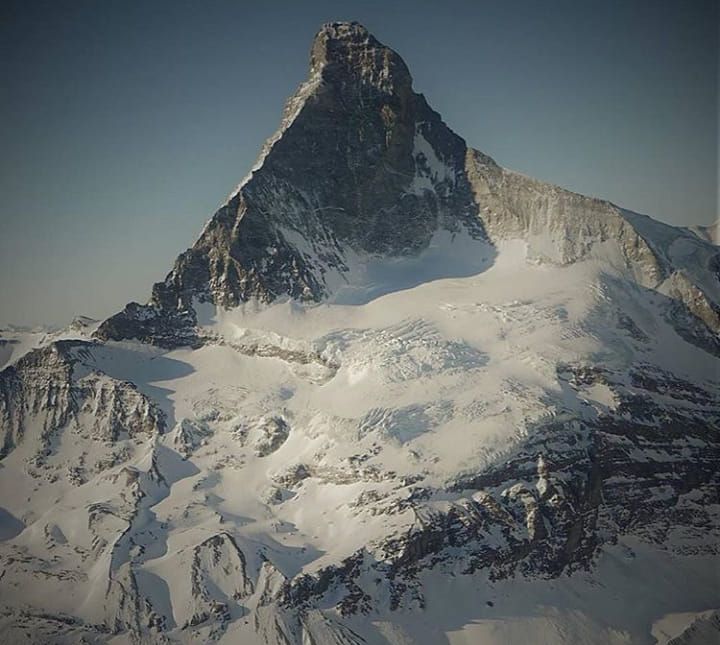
<point>124,124</point>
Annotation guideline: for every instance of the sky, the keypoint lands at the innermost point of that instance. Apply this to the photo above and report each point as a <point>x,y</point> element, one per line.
<point>125,124</point>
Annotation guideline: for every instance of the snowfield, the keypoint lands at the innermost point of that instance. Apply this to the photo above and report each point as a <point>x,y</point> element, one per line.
<point>295,433</point>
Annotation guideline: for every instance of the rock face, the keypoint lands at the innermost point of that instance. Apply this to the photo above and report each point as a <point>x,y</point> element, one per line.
<point>530,426</point>
<point>50,392</point>
<point>560,226</point>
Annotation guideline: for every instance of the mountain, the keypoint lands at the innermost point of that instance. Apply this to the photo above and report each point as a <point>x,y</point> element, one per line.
<point>360,167</point>
<point>394,393</point>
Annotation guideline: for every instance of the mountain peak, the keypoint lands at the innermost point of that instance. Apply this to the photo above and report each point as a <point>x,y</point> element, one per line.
<point>347,51</point>
<point>348,30</point>
<point>361,167</point>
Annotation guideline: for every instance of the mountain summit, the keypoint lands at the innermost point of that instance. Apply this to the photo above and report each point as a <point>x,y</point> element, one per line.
<point>360,166</point>
<point>394,393</point>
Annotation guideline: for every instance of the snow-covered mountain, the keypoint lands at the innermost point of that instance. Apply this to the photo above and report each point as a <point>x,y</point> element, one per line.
<point>394,393</point>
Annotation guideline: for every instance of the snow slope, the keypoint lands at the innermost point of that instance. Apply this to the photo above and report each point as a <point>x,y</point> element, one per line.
<point>296,435</point>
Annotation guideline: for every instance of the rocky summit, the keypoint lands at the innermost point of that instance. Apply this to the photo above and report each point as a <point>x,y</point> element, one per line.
<point>394,393</point>
<point>361,165</point>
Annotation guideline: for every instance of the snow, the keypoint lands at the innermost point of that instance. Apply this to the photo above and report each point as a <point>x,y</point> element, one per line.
<point>685,251</point>
<point>430,170</point>
<point>709,232</point>
<point>413,371</point>
<point>17,342</point>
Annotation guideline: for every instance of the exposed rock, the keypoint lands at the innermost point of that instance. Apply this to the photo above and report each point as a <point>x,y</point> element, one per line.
<point>189,435</point>
<point>559,226</point>
<point>265,434</point>
<point>46,392</point>
<point>219,581</point>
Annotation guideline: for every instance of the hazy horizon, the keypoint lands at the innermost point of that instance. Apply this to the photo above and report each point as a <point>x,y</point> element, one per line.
<point>126,124</point>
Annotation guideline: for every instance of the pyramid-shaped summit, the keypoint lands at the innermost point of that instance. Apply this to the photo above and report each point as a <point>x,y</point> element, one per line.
<point>360,165</point>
